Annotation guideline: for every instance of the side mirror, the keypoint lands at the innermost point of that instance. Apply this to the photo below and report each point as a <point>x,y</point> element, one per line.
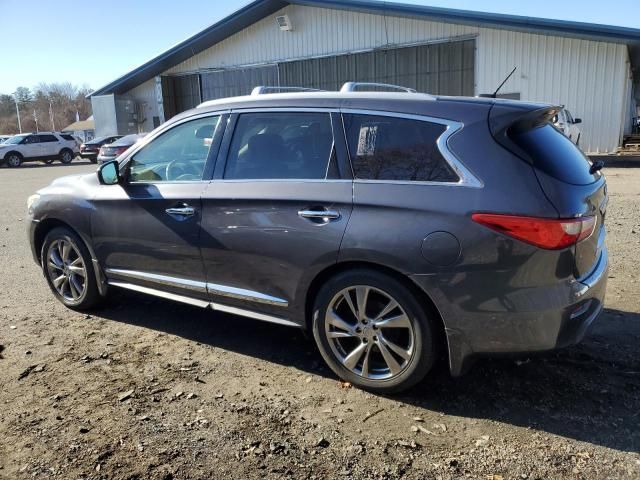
<point>577,120</point>
<point>109,173</point>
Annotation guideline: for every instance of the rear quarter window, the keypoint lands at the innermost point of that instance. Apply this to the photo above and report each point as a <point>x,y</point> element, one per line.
<point>396,149</point>
<point>556,155</point>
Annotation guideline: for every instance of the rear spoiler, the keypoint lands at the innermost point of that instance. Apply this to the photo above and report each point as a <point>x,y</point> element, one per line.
<point>509,119</point>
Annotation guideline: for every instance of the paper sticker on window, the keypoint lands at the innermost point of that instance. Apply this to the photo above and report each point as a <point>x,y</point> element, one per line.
<point>367,140</point>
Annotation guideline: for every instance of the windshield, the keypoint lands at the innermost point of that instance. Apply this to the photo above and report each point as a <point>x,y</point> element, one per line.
<point>15,140</point>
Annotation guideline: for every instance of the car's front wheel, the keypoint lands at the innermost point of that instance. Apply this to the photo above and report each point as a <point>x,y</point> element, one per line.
<point>66,156</point>
<point>67,266</point>
<point>372,331</point>
<point>13,160</point>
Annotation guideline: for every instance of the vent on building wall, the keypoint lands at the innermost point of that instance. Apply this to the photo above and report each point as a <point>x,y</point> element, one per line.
<point>284,22</point>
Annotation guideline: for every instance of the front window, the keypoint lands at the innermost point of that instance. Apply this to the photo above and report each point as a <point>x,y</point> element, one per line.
<point>178,155</point>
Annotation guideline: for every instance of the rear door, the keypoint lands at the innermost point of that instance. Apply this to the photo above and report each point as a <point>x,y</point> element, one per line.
<point>276,211</point>
<point>50,145</point>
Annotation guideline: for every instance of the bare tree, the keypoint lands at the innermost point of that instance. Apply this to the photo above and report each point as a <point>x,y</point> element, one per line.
<point>54,104</point>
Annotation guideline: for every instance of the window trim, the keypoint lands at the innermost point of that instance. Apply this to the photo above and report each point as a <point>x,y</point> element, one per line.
<point>211,157</point>
<point>340,148</point>
<point>466,177</point>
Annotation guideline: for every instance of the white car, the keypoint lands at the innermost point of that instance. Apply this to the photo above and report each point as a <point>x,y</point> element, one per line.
<point>43,146</point>
<point>565,122</point>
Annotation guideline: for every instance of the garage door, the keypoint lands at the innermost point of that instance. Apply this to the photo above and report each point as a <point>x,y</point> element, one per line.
<point>443,69</point>
<point>230,83</point>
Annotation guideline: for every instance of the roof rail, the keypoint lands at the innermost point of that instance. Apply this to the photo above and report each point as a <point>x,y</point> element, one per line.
<point>353,86</point>
<point>263,90</point>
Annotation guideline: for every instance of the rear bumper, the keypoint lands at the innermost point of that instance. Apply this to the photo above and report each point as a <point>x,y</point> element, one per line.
<point>522,320</point>
<point>89,154</point>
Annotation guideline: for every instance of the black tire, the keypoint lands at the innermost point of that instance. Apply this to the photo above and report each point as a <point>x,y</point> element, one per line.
<point>90,296</point>
<point>422,350</point>
<point>66,156</point>
<point>13,159</point>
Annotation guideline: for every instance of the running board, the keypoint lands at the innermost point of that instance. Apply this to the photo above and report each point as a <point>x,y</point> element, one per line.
<point>217,307</point>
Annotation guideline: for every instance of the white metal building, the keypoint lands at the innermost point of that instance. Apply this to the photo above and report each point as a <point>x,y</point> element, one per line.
<point>593,70</point>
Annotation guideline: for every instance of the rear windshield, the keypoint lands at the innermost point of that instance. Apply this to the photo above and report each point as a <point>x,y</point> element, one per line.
<point>556,155</point>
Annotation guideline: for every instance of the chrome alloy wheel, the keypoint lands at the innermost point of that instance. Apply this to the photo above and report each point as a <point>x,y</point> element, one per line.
<point>66,270</point>
<point>369,332</point>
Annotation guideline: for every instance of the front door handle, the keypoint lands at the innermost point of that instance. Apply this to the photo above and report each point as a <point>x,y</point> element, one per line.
<point>319,214</point>
<point>185,211</point>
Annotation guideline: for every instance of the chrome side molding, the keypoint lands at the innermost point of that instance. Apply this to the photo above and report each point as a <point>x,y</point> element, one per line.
<point>195,286</point>
<point>200,287</point>
<point>242,294</point>
<point>159,293</point>
<point>205,304</point>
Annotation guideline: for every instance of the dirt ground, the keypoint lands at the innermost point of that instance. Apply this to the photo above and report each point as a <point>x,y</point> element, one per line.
<point>145,388</point>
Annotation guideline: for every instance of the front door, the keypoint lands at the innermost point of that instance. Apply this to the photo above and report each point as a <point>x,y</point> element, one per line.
<point>146,231</point>
<point>275,214</point>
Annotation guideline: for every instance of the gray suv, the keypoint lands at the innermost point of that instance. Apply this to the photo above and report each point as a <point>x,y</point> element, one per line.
<point>397,227</point>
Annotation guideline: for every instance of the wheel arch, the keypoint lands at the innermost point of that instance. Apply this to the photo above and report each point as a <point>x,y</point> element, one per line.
<point>424,299</point>
<point>15,152</point>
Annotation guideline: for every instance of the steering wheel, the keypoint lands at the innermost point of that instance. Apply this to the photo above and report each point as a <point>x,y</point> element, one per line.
<point>181,170</point>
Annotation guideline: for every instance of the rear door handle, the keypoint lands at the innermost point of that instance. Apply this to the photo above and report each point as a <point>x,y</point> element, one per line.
<point>322,214</point>
<point>185,211</point>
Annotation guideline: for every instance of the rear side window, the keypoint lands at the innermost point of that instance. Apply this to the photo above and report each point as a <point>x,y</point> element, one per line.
<point>48,138</point>
<point>555,155</point>
<point>67,137</point>
<point>400,149</point>
<point>277,145</point>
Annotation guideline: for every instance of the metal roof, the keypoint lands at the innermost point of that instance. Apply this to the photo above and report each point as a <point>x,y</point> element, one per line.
<point>259,9</point>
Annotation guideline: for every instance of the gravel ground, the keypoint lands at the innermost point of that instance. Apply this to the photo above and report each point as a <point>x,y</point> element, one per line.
<point>144,388</point>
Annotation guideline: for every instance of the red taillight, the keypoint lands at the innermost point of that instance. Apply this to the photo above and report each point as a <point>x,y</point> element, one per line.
<point>547,233</point>
<point>119,150</point>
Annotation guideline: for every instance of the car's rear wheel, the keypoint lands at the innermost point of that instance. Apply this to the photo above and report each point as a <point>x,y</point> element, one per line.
<point>372,331</point>
<point>67,266</point>
<point>66,156</point>
<point>13,160</point>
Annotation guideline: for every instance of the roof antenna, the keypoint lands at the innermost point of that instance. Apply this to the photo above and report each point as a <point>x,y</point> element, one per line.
<point>495,94</point>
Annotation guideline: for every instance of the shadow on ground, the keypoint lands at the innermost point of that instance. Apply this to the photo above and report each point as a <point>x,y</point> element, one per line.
<point>590,392</point>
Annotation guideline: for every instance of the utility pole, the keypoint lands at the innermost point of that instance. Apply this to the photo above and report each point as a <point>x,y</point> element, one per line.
<point>53,123</point>
<point>35,117</point>
<point>15,98</point>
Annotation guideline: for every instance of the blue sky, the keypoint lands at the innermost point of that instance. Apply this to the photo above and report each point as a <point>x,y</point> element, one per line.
<point>95,41</point>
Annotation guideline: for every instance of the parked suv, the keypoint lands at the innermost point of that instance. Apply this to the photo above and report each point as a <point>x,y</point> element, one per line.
<point>42,146</point>
<point>394,226</point>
